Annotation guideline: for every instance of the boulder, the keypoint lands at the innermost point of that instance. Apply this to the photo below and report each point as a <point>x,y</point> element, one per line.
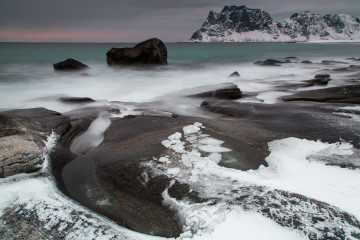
<point>234,75</point>
<point>22,132</point>
<point>271,62</point>
<point>76,100</point>
<point>69,65</point>
<point>321,79</point>
<point>21,145</point>
<point>152,51</point>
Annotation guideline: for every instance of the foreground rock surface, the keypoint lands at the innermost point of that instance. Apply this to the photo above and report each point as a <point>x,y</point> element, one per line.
<point>70,65</point>
<point>152,51</point>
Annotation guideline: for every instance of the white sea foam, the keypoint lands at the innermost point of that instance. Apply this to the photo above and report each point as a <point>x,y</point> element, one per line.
<point>43,88</point>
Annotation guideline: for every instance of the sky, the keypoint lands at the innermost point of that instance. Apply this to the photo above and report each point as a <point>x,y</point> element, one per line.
<point>134,20</point>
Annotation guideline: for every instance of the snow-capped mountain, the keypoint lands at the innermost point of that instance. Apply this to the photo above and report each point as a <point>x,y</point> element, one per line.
<point>242,24</point>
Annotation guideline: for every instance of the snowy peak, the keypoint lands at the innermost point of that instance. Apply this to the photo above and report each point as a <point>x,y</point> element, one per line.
<point>239,23</point>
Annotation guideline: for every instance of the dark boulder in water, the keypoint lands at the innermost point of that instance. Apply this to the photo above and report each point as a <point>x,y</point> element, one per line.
<point>271,62</point>
<point>69,65</point>
<point>234,75</point>
<point>321,79</point>
<point>152,51</point>
<point>306,62</point>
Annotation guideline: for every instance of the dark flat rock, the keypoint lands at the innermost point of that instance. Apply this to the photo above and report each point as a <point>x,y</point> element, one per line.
<point>306,62</point>
<point>271,62</point>
<point>76,99</point>
<point>223,91</point>
<point>52,120</point>
<point>345,94</point>
<point>258,124</point>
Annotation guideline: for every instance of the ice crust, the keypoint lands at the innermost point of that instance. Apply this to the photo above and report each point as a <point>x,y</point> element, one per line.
<point>295,167</point>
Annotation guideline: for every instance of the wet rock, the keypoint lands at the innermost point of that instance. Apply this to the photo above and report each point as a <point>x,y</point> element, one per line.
<point>226,91</point>
<point>306,62</point>
<point>351,68</point>
<point>291,57</point>
<point>295,211</point>
<point>76,99</point>
<point>152,51</point>
<point>70,65</point>
<point>331,62</point>
<point>22,137</point>
<point>345,94</point>
<point>51,120</point>
<point>14,226</point>
<point>271,62</point>
<point>116,162</point>
<point>321,79</point>
<point>234,75</point>
<point>259,124</point>
<point>21,145</point>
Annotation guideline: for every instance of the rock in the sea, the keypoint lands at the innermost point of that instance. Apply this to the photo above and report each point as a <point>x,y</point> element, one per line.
<point>152,51</point>
<point>306,62</point>
<point>226,91</point>
<point>76,99</point>
<point>271,62</point>
<point>321,79</point>
<point>234,75</point>
<point>69,65</point>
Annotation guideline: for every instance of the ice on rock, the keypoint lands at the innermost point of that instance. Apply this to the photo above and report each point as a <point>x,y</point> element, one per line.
<point>211,141</point>
<point>214,149</point>
<point>292,168</point>
<point>215,157</point>
<point>164,160</point>
<point>175,136</point>
<point>173,171</point>
<point>174,143</point>
<point>192,128</point>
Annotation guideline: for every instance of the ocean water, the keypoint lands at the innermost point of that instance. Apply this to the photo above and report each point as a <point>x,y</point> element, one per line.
<point>27,79</point>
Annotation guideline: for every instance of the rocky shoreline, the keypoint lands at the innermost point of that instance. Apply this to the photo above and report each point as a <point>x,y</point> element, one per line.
<point>135,167</point>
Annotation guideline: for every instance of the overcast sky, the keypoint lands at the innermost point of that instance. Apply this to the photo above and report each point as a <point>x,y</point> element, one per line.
<point>134,20</point>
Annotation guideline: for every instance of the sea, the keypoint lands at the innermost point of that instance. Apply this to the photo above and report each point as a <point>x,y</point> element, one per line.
<point>27,75</point>
<point>28,80</point>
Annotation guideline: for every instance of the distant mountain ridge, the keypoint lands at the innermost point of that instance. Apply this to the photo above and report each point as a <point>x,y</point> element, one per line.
<point>242,24</point>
